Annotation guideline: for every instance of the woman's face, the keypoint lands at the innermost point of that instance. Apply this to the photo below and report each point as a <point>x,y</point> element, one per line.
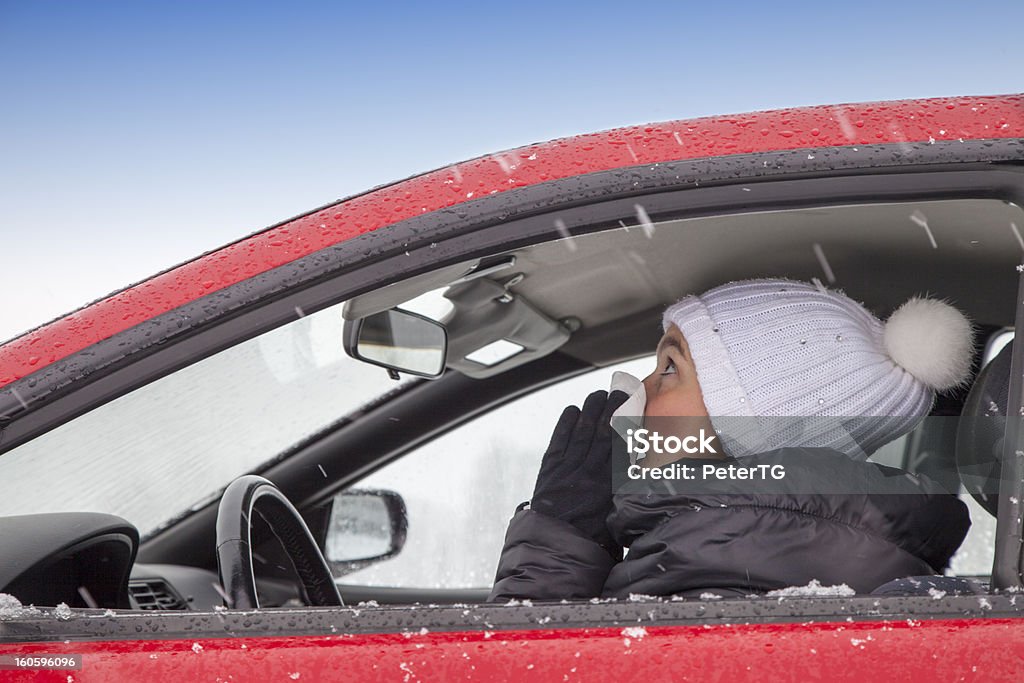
<point>672,389</point>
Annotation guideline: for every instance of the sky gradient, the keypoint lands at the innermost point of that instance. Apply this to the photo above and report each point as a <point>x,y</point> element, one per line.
<point>134,136</point>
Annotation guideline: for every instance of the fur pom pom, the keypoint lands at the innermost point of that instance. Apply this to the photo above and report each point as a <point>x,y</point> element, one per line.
<point>932,341</point>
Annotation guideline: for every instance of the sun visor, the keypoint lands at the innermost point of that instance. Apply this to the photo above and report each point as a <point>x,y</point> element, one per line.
<point>492,329</point>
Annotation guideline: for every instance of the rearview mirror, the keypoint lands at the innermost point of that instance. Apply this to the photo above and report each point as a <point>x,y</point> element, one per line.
<point>399,341</point>
<point>366,526</point>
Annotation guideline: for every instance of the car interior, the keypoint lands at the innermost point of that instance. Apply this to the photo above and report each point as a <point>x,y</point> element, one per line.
<point>512,323</point>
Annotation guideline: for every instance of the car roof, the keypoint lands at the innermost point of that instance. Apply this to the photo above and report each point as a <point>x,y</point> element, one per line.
<point>896,123</point>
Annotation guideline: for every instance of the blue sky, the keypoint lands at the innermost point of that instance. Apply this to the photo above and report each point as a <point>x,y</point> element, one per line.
<point>134,135</point>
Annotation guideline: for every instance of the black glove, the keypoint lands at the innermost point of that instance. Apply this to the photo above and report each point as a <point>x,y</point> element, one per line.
<point>575,479</point>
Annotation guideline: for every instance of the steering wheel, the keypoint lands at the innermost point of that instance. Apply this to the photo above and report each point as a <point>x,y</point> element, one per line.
<point>243,497</point>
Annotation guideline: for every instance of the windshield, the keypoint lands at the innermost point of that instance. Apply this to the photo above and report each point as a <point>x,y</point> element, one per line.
<point>178,441</point>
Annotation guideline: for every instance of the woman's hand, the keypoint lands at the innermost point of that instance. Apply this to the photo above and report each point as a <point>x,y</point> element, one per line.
<point>575,479</point>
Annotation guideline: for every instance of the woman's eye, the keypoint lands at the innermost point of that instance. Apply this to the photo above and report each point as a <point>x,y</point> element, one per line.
<point>670,368</point>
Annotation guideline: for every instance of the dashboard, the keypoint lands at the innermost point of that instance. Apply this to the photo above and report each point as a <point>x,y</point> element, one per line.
<point>87,560</point>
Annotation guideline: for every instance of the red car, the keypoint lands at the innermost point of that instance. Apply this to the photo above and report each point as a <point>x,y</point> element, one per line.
<point>130,430</point>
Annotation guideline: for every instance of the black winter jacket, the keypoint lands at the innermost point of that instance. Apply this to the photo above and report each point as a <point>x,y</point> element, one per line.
<point>718,537</point>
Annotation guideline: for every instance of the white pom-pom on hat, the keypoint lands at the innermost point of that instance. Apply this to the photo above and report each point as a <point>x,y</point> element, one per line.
<point>931,340</point>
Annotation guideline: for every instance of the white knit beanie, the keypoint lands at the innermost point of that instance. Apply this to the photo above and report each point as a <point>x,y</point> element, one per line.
<point>774,350</point>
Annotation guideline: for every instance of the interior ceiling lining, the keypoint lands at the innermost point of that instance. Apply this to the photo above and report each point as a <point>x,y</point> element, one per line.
<point>880,254</point>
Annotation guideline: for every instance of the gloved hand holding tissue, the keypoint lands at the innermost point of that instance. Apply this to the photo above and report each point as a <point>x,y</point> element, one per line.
<point>574,482</point>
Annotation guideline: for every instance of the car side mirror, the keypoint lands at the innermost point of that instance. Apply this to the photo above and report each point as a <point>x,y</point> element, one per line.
<point>366,526</point>
<point>400,341</point>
